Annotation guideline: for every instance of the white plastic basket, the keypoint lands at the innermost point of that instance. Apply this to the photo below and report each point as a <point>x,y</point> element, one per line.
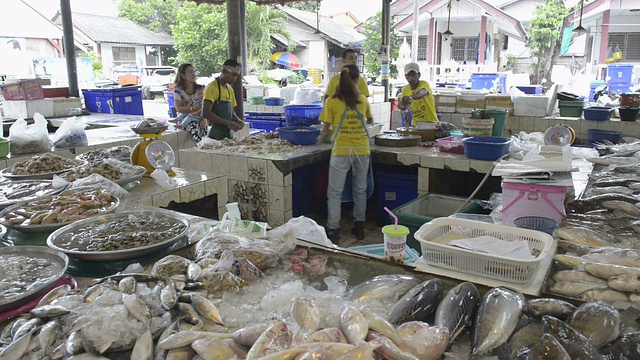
<point>486,265</point>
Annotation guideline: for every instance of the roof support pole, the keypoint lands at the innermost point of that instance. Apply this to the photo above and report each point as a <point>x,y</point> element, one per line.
<point>386,48</point>
<point>235,28</point>
<point>433,37</point>
<point>604,37</point>
<point>483,40</point>
<point>415,34</point>
<point>69,47</point>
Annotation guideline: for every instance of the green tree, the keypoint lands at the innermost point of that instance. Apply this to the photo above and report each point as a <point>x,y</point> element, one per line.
<point>200,36</point>
<point>96,64</point>
<point>545,38</point>
<point>373,43</point>
<point>262,22</point>
<point>311,6</point>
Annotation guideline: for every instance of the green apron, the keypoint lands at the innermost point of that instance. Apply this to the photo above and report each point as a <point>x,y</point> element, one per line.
<point>223,109</point>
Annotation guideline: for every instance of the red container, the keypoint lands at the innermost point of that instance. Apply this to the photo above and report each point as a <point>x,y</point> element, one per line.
<point>55,92</point>
<point>23,90</point>
<point>451,144</point>
<point>630,100</point>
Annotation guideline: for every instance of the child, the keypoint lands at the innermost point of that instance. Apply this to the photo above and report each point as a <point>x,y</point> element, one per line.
<point>191,122</point>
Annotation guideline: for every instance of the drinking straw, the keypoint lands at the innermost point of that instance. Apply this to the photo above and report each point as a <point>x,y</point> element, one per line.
<point>393,216</point>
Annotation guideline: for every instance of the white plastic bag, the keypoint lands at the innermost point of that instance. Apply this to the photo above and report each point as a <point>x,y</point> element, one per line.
<point>306,95</point>
<point>99,181</point>
<point>71,134</point>
<point>27,139</point>
<point>163,179</point>
<point>301,228</point>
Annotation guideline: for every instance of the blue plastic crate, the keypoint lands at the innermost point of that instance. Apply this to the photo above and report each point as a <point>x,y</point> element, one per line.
<point>487,82</point>
<point>410,254</point>
<point>621,88</point>
<point>302,115</point>
<point>619,73</point>
<point>262,124</point>
<point>123,100</point>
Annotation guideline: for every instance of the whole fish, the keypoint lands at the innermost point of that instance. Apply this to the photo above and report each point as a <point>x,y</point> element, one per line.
<point>353,324</point>
<point>49,311</point>
<point>306,313</point>
<point>522,341</point>
<point>614,160</point>
<point>48,336</point>
<point>382,286</point>
<point>169,330</point>
<point>620,222</point>
<point>169,295</point>
<point>364,351</point>
<point>182,353</point>
<point>615,256</point>
<point>613,181</point>
<point>576,275</point>
<point>576,344</point>
<point>382,326</point>
<point>143,348</point>
<point>457,309</point>
<point>185,338</point>
<point>387,348</point>
<point>248,335</point>
<point>573,248</point>
<point>628,282</point>
<point>568,261</point>
<point>27,326</point>
<point>595,202</point>
<point>605,271</point>
<point>417,303</point>
<point>547,306</point>
<point>275,338</point>
<point>424,341</point>
<point>205,308</point>
<point>598,321</point>
<point>626,207</point>
<point>497,317</point>
<point>328,335</point>
<point>188,313</point>
<point>213,349</point>
<point>128,285</point>
<point>623,348</point>
<point>17,347</point>
<point>611,190</point>
<point>584,236</point>
<point>58,292</point>
<point>573,289</point>
<point>136,307</point>
<point>548,348</point>
<point>605,294</point>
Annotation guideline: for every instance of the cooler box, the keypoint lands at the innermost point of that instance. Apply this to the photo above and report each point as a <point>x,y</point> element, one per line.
<point>489,81</point>
<point>520,199</point>
<point>427,207</point>
<point>621,88</point>
<point>393,190</point>
<point>592,88</point>
<point>530,89</point>
<point>122,100</point>
<point>619,73</point>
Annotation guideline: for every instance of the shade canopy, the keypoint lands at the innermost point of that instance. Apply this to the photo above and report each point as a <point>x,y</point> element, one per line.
<point>285,59</point>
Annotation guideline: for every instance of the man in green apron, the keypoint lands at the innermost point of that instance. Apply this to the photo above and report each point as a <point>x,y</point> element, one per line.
<point>219,101</point>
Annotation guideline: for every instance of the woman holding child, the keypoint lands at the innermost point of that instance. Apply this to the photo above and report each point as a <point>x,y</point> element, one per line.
<point>188,96</point>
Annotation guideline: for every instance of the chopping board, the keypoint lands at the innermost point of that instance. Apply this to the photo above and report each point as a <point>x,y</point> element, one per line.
<point>425,135</point>
<point>397,140</point>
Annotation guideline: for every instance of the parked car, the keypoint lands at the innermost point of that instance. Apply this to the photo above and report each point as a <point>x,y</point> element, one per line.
<point>154,78</point>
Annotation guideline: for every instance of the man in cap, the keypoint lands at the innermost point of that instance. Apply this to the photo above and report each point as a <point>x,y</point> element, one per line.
<point>417,96</point>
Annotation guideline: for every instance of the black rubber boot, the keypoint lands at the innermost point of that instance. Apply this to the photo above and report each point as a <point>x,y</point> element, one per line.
<point>358,230</point>
<point>333,235</point>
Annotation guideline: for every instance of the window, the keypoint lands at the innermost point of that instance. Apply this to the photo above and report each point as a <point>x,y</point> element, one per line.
<point>629,43</point>
<point>423,46</point>
<point>124,55</point>
<point>464,48</point>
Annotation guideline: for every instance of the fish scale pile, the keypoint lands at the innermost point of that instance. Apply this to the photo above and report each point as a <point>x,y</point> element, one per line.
<point>600,238</point>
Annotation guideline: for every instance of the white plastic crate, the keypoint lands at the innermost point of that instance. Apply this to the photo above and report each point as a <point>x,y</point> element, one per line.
<point>486,265</point>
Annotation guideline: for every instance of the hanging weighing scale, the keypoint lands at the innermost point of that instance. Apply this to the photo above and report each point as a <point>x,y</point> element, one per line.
<point>151,152</point>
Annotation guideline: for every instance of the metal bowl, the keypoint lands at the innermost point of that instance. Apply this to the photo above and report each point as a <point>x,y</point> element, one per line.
<point>59,263</point>
<point>141,170</point>
<point>150,129</point>
<point>47,227</point>
<point>53,241</point>
<point>6,172</point>
<point>10,186</point>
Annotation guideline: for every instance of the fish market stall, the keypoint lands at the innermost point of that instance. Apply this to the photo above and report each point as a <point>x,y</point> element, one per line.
<point>269,296</point>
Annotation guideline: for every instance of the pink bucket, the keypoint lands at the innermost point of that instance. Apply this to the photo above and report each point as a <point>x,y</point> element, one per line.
<point>520,200</point>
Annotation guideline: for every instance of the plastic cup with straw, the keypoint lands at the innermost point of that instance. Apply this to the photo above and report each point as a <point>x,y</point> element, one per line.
<point>395,239</point>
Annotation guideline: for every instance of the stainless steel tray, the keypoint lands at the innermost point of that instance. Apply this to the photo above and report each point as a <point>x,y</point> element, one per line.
<point>58,260</point>
<point>6,172</point>
<point>150,129</point>
<point>46,192</point>
<point>137,176</point>
<point>54,239</point>
<point>47,227</point>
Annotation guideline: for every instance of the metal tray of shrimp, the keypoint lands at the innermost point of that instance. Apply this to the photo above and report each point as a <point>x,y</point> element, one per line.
<point>6,172</point>
<point>21,207</point>
<point>13,192</point>
<point>28,271</point>
<point>120,236</point>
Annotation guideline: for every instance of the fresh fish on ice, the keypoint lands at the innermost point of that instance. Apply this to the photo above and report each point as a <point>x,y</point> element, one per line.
<point>598,321</point>
<point>457,309</point>
<point>417,303</point>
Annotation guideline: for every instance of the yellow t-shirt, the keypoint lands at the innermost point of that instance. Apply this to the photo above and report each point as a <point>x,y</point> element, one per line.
<point>423,109</point>
<point>333,84</point>
<point>211,93</point>
<point>352,135</point>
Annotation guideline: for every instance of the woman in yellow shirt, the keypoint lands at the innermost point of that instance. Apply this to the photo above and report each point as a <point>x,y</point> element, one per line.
<point>346,112</point>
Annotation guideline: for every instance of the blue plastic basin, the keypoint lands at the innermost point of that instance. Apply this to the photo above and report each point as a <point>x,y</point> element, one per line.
<point>597,113</point>
<point>299,135</point>
<point>486,147</point>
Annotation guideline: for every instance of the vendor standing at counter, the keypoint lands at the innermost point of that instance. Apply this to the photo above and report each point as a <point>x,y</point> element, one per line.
<point>349,57</point>
<point>219,101</point>
<point>346,112</point>
<point>417,96</point>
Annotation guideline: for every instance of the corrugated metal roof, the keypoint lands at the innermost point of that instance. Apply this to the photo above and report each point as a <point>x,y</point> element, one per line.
<point>30,24</point>
<point>110,29</point>
<point>335,32</point>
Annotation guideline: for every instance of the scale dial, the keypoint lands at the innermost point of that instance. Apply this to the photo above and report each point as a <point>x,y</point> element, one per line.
<point>160,155</point>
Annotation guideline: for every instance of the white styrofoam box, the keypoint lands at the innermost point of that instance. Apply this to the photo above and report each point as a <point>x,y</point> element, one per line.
<point>467,102</point>
<point>62,106</point>
<point>532,105</point>
<point>272,91</point>
<point>288,92</point>
<point>26,108</point>
<point>254,90</point>
<point>446,103</point>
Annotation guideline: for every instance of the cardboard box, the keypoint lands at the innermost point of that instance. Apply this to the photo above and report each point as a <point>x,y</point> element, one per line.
<point>446,103</point>
<point>499,101</point>
<point>23,90</point>
<point>26,108</point>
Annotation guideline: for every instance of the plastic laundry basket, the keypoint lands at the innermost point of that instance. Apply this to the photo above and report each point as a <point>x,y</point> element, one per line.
<point>536,223</point>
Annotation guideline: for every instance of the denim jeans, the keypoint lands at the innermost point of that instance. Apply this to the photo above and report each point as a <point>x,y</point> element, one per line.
<point>338,168</point>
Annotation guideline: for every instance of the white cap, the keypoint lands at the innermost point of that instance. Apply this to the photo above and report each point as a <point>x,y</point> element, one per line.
<point>411,67</point>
